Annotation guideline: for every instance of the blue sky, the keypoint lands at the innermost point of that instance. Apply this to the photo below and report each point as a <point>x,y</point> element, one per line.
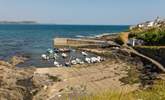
<point>105,12</point>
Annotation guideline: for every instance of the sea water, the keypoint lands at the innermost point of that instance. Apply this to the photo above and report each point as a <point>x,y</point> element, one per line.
<point>33,40</point>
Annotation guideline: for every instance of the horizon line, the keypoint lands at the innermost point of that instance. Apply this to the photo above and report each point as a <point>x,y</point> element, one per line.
<point>64,24</point>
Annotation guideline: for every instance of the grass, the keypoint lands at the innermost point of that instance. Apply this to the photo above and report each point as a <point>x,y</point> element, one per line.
<point>54,78</point>
<point>108,95</point>
<point>156,92</point>
<point>122,38</point>
<point>150,47</point>
<point>132,78</point>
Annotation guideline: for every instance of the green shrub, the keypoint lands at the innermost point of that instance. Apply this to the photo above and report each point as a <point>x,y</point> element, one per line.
<point>152,36</point>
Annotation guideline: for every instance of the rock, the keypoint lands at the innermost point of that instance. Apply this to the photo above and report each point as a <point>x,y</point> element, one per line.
<point>17,60</point>
<point>15,83</point>
<point>42,80</point>
<point>45,87</point>
<point>59,95</point>
<point>3,63</point>
<point>23,83</point>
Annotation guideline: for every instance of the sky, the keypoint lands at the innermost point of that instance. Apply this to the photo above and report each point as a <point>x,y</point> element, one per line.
<point>88,12</point>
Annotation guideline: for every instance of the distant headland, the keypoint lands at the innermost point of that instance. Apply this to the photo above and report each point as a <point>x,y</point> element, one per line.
<point>18,22</point>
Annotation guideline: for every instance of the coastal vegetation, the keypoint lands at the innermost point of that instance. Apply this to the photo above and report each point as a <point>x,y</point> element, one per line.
<point>152,36</point>
<point>127,76</point>
<point>156,92</point>
<point>122,38</point>
<point>153,33</point>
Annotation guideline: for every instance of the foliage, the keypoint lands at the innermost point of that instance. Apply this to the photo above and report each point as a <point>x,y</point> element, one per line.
<point>156,92</point>
<point>108,95</point>
<point>152,36</point>
<point>122,38</point>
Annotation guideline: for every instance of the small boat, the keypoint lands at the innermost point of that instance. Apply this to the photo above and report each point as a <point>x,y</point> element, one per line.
<point>55,56</point>
<point>84,53</point>
<point>99,59</point>
<point>79,61</point>
<point>56,50</point>
<point>49,51</point>
<point>44,56</point>
<point>94,60</point>
<point>64,55</point>
<point>73,62</point>
<point>57,64</point>
<point>67,64</point>
<point>88,60</point>
<point>64,50</point>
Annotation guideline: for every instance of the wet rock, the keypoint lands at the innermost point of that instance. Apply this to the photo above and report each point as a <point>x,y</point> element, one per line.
<point>23,83</point>
<point>17,60</point>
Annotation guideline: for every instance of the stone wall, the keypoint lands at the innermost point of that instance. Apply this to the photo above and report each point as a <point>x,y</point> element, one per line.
<point>155,52</point>
<point>76,42</point>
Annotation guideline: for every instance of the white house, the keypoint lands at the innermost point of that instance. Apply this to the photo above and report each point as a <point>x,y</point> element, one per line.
<point>151,24</point>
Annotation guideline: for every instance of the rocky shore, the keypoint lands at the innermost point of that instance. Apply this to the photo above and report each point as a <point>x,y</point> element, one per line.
<point>122,71</point>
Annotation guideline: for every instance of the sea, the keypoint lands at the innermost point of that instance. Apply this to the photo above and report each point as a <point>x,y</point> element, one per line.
<point>33,40</point>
